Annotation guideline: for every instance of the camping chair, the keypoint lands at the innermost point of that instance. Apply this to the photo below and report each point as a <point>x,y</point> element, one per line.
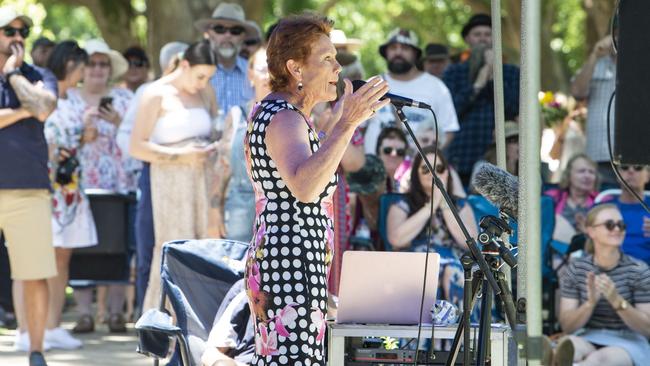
<point>385,201</point>
<point>195,276</point>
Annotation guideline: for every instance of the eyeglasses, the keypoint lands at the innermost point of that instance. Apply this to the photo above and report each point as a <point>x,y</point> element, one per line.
<point>398,151</point>
<point>637,168</point>
<point>611,224</point>
<point>11,31</point>
<point>251,42</point>
<point>101,65</point>
<point>439,169</point>
<point>137,63</point>
<point>235,30</point>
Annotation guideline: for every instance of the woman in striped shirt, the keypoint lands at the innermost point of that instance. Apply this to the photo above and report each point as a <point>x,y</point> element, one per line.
<point>605,296</point>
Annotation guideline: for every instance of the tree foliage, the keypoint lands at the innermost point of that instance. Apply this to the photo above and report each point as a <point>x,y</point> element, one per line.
<point>569,27</point>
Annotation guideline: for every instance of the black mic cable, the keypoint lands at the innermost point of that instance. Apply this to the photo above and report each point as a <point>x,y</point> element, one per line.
<point>430,234</point>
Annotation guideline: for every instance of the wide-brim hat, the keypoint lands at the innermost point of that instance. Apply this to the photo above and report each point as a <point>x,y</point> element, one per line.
<point>119,65</point>
<point>226,11</point>
<point>403,36</point>
<point>339,39</point>
<point>475,21</point>
<point>9,14</point>
<point>369,178</point>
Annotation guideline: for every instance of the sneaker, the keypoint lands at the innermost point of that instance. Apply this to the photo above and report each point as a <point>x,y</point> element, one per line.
<point>37,359</point>
<point>61,339</point>
<point>21,342</point>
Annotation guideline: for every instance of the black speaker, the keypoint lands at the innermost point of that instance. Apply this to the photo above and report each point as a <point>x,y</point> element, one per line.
<point>108,260</point>
<point>632,126</point>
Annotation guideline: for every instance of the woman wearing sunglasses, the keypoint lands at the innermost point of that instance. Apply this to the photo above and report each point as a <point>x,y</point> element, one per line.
<point>409,221</point>
<point>605,297</point>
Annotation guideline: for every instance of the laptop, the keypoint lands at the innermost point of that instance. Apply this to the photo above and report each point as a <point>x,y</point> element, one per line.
<point>386,287</point>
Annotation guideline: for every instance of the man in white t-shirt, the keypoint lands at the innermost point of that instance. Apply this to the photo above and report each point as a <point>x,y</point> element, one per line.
<point>401,52</point>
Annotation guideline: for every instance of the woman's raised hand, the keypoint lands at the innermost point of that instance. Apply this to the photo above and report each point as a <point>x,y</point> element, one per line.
<point>356,107</point>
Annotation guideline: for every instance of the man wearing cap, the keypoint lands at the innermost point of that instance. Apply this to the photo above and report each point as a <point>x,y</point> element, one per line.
<point>401,52</point>
<point>226,31</point>
<point>26,99</point>
<point>471,86</point>
<point>138,72</point>
<point>436,59</point>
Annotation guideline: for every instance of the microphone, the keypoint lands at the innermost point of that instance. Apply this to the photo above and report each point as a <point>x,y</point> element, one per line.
<point>499,187</point>
<point>396,100</point>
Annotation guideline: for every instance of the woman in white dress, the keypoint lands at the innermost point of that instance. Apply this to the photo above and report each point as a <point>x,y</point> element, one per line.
<point>174,132</point>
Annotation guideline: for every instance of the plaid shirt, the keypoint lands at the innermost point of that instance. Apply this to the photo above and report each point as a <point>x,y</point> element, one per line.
<point>476,113</point>
<point>232,85</point>
<point>601,87</point>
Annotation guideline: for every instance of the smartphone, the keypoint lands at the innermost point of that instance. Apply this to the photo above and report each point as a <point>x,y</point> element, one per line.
<point>105,102</point>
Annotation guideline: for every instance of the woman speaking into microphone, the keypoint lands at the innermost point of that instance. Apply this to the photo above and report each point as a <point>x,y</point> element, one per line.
<point>293,167</point>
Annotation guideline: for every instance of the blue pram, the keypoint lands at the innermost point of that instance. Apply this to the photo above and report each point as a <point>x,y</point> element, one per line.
<point>195,275</point>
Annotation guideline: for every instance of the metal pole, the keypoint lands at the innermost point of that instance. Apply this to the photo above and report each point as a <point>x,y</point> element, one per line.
<point>499,114</point>
<point>497,76</point>
<point>529,274</point>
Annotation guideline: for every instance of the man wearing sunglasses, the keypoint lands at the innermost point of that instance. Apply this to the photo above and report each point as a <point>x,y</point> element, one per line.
<point>138,72</point>
<point>226,30</point>
<point>27,97</point>
<point>637,236</point>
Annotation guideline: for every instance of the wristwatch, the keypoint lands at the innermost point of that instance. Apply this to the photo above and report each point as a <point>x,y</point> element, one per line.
<point>12,73</point>
<point>623,305</point>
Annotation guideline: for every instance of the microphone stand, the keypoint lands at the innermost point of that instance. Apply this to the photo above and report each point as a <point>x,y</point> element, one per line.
<point>474,250</point>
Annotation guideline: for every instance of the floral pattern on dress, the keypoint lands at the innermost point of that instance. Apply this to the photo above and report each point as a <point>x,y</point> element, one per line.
<point>288,260</point>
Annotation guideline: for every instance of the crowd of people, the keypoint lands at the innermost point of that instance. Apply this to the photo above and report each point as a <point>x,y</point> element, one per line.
<point>196,152</point>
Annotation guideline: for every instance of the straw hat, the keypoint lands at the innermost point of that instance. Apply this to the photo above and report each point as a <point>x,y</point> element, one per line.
<point>339,39</point>
<point>227,11</point>
<point>119,65</point>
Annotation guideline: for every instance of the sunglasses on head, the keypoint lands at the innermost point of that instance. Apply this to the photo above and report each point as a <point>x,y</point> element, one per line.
<point>137,63</point>
<point>637,168</point>
<point>234,30</point>
<point>611,224</point>
<point>425,170</point>
<point>11,31</point>
<point>252,42</point>
<point>389,151</point>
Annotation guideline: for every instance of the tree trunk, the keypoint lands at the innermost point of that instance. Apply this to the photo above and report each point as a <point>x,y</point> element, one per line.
<point>114,19</point>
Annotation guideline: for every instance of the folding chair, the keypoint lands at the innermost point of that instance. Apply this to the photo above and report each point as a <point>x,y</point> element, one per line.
<point>195,277</point>
<point>385,201</point>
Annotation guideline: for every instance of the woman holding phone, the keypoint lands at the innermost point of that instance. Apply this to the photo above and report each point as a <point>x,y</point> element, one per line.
<point>175,133</point>
<point>98,108</point>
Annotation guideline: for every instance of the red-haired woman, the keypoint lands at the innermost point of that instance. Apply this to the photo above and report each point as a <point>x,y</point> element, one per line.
<point>293,171</point>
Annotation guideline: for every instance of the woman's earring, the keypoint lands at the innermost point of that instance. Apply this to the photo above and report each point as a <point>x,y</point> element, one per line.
<point>300,86</point>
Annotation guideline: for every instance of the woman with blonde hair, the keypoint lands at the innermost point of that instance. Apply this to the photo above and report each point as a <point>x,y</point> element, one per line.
<point>605,297</point>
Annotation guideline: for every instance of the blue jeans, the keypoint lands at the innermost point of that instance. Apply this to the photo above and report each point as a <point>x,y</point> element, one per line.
<point>144,235</point>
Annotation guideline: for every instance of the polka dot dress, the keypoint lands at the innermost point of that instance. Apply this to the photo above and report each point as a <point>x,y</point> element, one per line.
<point>289,257</point>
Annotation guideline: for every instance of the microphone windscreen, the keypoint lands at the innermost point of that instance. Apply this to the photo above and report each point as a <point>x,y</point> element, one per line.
<point>356,84</point>
<point>499,187</point>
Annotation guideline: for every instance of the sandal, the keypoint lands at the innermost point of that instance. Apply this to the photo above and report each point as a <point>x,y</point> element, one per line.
<point>85,324</point>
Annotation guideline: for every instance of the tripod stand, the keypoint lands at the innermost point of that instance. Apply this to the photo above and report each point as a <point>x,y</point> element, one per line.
<point>493,251</point>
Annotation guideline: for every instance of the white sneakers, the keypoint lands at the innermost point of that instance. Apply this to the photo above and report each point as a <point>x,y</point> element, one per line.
<point>58,338</point>
<point>21,342</point>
